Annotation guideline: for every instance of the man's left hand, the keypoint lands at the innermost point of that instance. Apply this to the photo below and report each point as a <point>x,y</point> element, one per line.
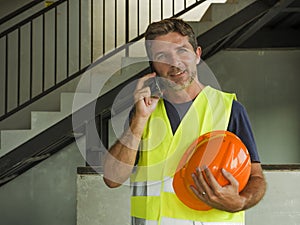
<point>226,198</point>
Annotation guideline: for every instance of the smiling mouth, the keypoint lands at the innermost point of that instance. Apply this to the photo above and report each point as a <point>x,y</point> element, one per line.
<point>178,73</point>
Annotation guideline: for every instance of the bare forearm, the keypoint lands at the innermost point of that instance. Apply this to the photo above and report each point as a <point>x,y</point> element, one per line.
<point>254,191</point>
<point>121,157</point>
<point>118,164</point>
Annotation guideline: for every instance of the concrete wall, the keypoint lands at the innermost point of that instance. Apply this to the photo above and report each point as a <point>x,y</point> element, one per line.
<point>281,204</point>
<point>45,194</point>
<point>99,205</point>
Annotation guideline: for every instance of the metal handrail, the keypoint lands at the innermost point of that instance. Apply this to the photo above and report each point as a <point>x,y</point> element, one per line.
<point>27,27</point>
<point>19,11</point>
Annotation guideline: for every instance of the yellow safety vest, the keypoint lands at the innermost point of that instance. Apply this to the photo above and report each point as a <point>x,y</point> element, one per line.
<point>153,198</point>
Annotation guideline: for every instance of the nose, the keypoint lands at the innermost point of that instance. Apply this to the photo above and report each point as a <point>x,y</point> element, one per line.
<point>174,60</point>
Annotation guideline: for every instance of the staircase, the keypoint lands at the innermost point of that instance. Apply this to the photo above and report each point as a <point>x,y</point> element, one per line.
<point>97,83</point>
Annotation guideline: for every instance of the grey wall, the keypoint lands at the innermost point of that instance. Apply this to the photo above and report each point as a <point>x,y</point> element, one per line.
<point>99,205</point>
<point>45,194</point>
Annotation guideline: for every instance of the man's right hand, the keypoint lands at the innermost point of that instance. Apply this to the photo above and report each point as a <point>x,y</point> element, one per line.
<point>144,103</point>
<point>120,159</point>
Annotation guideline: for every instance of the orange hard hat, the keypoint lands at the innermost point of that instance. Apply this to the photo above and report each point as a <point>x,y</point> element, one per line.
<point>216,150</point>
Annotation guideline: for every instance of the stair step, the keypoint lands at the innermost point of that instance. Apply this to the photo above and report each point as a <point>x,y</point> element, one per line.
<point>85,83</point>
<point>202,26</point>
<point>199,13</point>
<point>11,139</point>
<point>203,12</point>
<point>220,12</point>
<point>217,14</point>
<point>133,65</point>
<point>73,101</point>
<point>40,120</point>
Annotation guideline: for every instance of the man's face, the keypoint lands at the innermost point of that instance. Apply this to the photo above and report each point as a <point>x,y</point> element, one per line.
<point>175,59</point>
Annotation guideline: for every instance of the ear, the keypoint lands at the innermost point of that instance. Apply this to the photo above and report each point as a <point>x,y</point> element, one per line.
<point>198,54</point>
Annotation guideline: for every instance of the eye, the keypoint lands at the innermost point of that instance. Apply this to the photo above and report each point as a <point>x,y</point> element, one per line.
<point>182,50</point>
<point>160,57</point>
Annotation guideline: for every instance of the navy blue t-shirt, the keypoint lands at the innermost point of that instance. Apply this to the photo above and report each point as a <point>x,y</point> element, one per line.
<point>239,123</point>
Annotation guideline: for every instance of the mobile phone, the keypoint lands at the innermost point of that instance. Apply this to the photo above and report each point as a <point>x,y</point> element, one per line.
<point>155,87</point>
<point>154,83</point>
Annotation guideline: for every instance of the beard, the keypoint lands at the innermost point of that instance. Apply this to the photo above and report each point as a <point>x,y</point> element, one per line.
<point>180,85</point>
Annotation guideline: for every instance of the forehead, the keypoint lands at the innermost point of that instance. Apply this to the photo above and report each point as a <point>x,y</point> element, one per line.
<point>169,41</point>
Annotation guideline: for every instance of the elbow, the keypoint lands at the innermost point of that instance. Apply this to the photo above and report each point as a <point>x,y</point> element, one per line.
<point>110,183</point>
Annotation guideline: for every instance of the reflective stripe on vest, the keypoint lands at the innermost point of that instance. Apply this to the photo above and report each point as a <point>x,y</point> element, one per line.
<point>152,188</point>
<point>146,188</point>
<point>161,152</point>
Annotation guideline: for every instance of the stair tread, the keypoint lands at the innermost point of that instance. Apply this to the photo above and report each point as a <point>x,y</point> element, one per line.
<point>41,119</point>
<point>9,137</point>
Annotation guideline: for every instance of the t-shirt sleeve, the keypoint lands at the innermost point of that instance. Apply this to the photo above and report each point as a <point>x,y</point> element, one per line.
<point>239,124</point>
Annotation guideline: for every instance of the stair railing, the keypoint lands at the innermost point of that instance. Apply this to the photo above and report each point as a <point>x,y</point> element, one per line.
<point>60,42</point>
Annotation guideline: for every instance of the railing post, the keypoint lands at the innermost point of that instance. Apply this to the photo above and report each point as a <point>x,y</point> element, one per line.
<point>103,29</point>
<point>19,68</point>
<point>68,37</point>
<point>116,24</point>
<point>92,31</point>
<point>79,33</point>
<point>127,27</point>
<point>6,75</point>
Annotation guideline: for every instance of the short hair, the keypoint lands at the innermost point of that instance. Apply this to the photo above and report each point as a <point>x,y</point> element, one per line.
<point>166,26</point>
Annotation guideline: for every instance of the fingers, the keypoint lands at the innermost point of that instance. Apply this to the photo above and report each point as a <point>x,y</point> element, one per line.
<point>145,104</point>
<point>199,190</point>
<point>230,178</point>
<point>141,81</point>
<point>208,190</point>
<point>211,180</point>
<point>207,181</point>
<point>142,92</point>
<point>201,183</point>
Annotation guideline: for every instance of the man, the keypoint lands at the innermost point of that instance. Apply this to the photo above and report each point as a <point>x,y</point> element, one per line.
<point>161,129</point>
